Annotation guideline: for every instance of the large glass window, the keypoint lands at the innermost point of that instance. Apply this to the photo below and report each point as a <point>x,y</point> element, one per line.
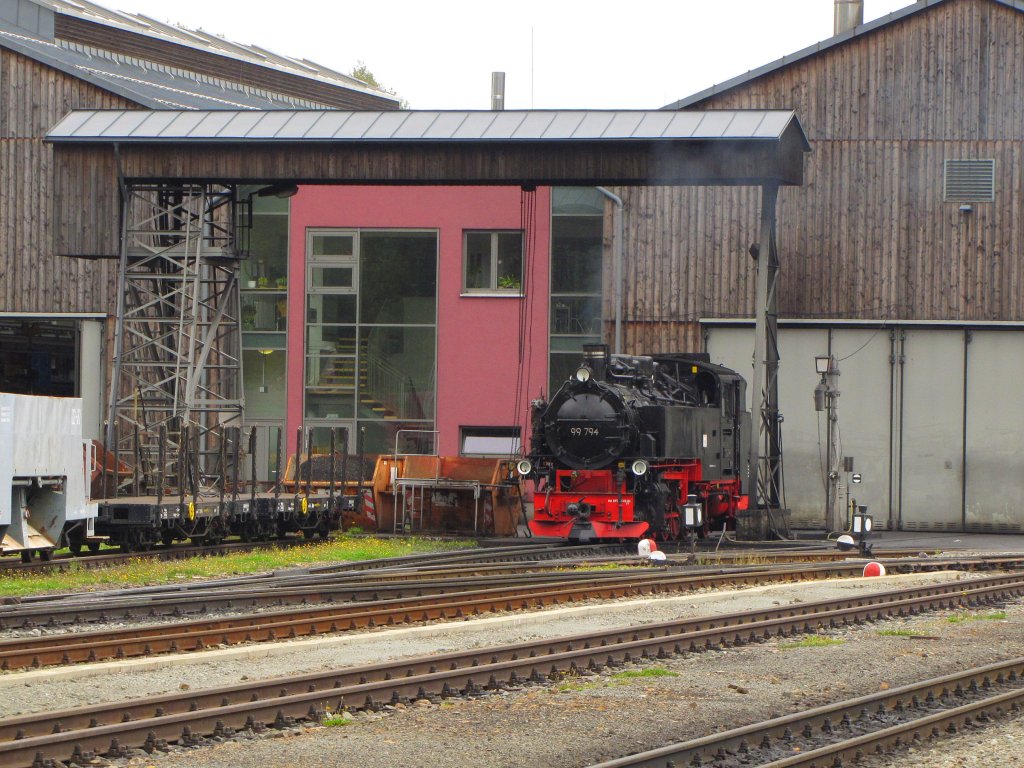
<point>398,278</point>
<point>492,261</point>
<point>263,239</point>
<point>371,317</point>
<point>577,232</point>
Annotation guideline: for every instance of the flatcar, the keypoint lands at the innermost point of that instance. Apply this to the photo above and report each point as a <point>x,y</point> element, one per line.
<point>628,442</point>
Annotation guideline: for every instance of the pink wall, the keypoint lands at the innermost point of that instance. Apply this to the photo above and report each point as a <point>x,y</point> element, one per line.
<point>478,365</point>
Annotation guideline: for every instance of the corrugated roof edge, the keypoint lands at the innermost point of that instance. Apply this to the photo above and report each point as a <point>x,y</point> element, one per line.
<point>112,85</point>
<point>69,128</point>
<point>793,58</point>
<point>179,35</point>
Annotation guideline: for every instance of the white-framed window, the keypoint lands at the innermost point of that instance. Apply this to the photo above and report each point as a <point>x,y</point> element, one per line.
<point>331,263</point>
<point>489,441</point>
<point>492,261</point>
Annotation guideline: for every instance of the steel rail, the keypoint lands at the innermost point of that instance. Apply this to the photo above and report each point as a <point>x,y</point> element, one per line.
<point>171,606</point>
<point>533,555</point>
<point>69,648</point>
<point>843,729</point>
<point>87,561</point>
<point>151,607</point>
<point>303,588</point>
<point>183,717</point>
<point>806,612</point>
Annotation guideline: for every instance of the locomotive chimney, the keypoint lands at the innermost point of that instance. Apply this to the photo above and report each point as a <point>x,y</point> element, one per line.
<point>849,15</point>
<point>595,357</point>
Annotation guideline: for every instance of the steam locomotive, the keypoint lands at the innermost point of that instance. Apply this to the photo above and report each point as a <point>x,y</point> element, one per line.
<point>635,446</point>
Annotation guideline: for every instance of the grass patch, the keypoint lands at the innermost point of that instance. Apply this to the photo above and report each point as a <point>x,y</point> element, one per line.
<point>991,616</point>
<point>897,632</point>
<point>587,567</point>
<point>633,674</point>
<point>147,571</point>
<point>815,641</point>
<point>336,721</point>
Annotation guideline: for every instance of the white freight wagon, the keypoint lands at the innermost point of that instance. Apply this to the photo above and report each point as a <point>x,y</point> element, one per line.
<point>44,475</point>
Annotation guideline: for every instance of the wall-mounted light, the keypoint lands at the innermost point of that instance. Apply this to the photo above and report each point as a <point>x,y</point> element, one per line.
<point>281,189</point>
<point>966,208</point>
<point>263,368</point>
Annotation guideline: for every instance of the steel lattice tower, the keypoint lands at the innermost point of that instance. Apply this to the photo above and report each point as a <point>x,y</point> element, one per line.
<point>177,374</point>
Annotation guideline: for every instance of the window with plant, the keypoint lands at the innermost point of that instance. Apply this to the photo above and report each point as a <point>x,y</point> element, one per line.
<point>492,262</point>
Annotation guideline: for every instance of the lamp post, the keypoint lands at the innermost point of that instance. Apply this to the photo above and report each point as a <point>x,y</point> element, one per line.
<point>693,518</point>
<point>826,393</point>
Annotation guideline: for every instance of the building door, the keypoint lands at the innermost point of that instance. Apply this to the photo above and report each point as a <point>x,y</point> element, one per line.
<point>994,420</point>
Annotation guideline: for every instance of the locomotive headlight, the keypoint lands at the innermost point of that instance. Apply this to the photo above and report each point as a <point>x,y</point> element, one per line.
<point>524,466</point>
<point>583,374</point>
<point>639,468</point>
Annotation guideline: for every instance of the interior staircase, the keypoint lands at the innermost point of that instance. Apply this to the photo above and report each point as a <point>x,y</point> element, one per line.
<point>338,377</point>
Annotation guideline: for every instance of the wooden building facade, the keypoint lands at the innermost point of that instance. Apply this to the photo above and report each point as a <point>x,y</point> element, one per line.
<point>871,234</point>
<point>902,257</point>
<point>58,56</point>
<point>42,79</point>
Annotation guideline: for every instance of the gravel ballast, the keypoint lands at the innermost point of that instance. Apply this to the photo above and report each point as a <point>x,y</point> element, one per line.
<point>580,720</point>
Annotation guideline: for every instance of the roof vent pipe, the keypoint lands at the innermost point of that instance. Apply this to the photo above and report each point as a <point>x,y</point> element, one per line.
<point>616,266</point>
<point>497,91</point>
<point>849,15</point>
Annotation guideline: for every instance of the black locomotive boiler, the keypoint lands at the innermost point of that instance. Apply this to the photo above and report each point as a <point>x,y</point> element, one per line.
<point>629,441</point>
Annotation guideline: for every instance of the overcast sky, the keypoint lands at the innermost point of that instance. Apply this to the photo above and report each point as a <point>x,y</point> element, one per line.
<point>635,54</point>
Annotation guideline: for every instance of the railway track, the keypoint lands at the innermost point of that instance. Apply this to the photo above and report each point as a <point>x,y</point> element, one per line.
<point>331,584</point>
<point>366,606</point>
<point>368,610</point>
<point>188,717</point>
<point>69,562</point>
<point>763,555</point>
<point>855,729</point>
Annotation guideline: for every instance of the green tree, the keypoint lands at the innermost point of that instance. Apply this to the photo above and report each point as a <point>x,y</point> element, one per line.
<point>362,72</point>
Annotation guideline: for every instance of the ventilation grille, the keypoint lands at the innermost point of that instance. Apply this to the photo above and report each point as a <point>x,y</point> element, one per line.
<point>969,181</point>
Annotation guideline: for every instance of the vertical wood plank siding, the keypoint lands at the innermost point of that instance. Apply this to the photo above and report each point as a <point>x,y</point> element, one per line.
<point>868,235</point>
<point>33,98</point>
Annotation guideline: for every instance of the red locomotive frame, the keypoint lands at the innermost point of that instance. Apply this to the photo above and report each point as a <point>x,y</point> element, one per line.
<point>601,501</point>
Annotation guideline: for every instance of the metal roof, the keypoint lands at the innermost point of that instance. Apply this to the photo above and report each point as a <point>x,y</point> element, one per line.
<point>28,27</point>
<point>146,84</point>
<point>336,126</point>
<point>813,50</point>
<point>204,41</point>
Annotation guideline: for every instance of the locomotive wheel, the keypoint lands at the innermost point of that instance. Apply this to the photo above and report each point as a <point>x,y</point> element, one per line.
<point>167,537</point>
<point>26,555</point>
<point>94,547</point>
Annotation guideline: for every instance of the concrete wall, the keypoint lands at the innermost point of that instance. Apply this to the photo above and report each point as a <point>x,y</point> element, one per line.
<point>931,414</point>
